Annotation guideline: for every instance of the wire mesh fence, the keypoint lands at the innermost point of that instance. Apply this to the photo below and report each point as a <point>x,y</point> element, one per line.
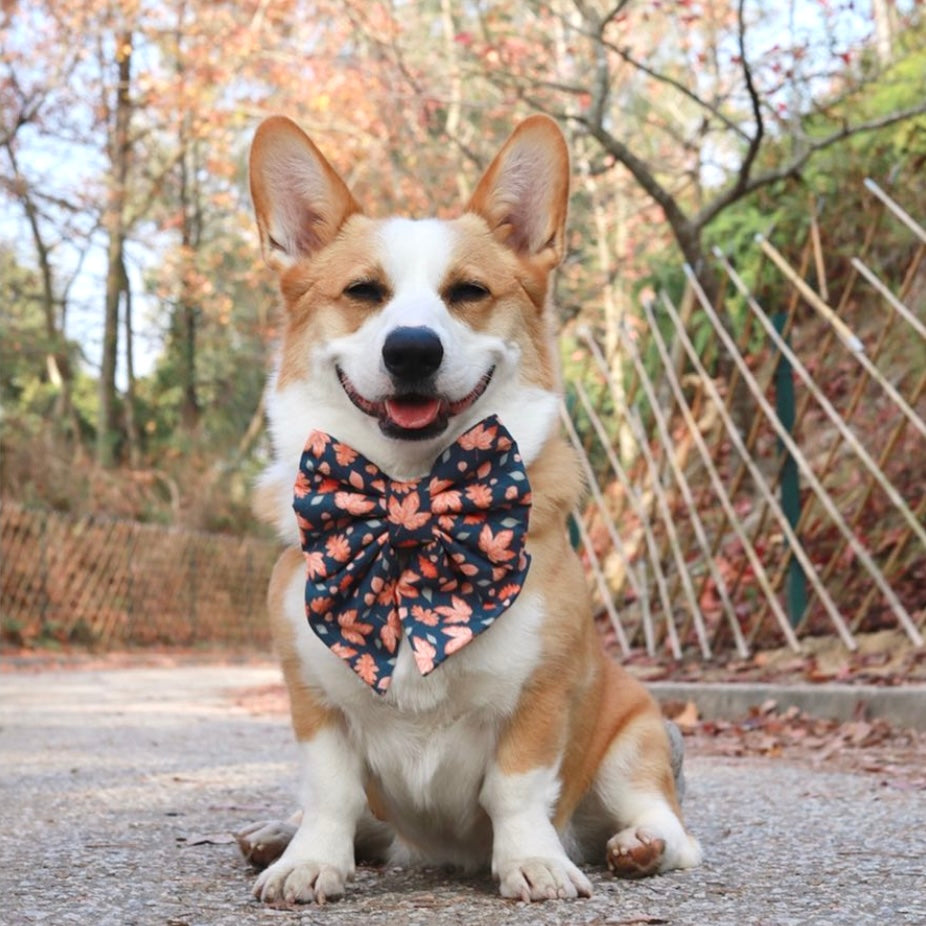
<point>118,583</point>
<point>766,482</point>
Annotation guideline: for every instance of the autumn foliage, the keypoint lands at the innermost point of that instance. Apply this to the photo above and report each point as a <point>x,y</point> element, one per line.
<point>137,317</point>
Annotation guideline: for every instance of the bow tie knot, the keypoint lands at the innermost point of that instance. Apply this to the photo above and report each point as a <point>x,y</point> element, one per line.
<point>438,559</point>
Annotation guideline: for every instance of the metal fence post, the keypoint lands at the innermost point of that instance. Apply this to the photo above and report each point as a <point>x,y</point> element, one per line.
<point>790,483</point>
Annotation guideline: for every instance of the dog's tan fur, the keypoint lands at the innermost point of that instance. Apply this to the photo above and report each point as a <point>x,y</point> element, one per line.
<point>578,716</point>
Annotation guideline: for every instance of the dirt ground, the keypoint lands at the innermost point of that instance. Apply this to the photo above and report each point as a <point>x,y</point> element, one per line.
<point>122,786</point>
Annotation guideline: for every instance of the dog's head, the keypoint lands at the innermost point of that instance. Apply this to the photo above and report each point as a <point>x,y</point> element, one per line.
<point>401,334</point>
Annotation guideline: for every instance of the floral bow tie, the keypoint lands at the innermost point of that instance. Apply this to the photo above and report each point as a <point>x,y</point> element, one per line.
<point>439,558</point>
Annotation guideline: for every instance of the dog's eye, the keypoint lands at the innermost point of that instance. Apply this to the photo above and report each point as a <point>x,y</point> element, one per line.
<point>366,291</point>
<point>467,291</point>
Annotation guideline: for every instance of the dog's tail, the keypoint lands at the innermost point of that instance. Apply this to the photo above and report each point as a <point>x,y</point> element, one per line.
<point>677,746</point>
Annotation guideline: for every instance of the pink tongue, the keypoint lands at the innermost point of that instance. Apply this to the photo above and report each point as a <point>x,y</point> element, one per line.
<point>413,412</point>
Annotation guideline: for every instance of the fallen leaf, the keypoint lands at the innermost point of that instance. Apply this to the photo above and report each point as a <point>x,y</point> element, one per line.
<point>688,716</point>
<point>211,839</point>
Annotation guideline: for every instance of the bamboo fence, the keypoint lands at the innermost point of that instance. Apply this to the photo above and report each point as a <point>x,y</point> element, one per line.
<point>758,498</point>
<point>115,583</point>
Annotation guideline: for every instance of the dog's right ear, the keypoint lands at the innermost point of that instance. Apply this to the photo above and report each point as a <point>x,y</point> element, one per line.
<point>524,195</point>
<point>300,200</point>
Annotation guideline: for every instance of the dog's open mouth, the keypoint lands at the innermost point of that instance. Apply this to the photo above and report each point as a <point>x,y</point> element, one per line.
<point>413,416</point>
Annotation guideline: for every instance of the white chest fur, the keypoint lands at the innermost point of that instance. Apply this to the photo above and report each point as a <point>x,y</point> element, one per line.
<point>428,743</point>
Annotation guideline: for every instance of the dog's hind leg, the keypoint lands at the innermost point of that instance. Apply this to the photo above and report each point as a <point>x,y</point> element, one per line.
<point>263,843</point>
<point>635,791</point>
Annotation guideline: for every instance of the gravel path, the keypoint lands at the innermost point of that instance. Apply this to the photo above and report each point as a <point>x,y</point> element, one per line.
<point>119,789</point>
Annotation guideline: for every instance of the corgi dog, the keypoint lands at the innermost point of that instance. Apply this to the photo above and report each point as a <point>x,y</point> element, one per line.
<point>526,750</point>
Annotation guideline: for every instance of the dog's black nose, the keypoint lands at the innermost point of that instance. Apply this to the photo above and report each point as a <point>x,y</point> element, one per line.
<point>412,353</point>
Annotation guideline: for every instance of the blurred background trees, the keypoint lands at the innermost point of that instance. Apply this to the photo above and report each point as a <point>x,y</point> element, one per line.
<point>136,316</point>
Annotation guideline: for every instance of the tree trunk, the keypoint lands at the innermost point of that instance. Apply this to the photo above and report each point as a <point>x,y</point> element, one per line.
<point>57,362</point>
<point>131,423</point>
<point>186,343</point>
<point>185,313</point>
<point>114,223</point>
<point>107,436</point>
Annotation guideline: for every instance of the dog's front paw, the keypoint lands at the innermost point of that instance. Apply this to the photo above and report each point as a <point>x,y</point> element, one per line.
<point>542,879</point>
<point>300,881</point>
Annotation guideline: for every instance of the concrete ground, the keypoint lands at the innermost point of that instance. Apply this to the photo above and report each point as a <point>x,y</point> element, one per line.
<point>119,790</point>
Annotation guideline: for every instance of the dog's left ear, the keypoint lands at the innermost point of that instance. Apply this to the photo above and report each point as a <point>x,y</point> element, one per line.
<point>524,194</point>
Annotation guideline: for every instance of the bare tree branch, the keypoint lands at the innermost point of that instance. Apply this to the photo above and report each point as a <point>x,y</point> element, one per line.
<point>791,168</point>
<point>755,142</point>
<point>639,169</point>
<point>699,101</point>
<point>615,11</point>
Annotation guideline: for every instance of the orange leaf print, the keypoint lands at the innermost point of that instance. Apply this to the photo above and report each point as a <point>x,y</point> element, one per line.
<point>478,437</point>
<point>436,486</point>
<point>352,630</point>
<point>345,652</point>
<point>509,591</point>
<point>496,546</point>
<point>457,612</point>
<point>337,547</point>
<point>317,442</point>
<point>366,668</point>
<point>424,655</point>
<point>353,502</point>
<point>424,615</point>
<point>303,486</point>
<point>445,502</point>
<point>463,566</point>
<point>391,632</point>
<point>406,514</point>
<point>426,568</point>
<point>386,594</point>
<point>450,584</point>
<point>480,495</point>
<point>405,587</point>
<point>321,605</point>
<point>344,455</point>
<point>459,637</point>
<point>315,565</point>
